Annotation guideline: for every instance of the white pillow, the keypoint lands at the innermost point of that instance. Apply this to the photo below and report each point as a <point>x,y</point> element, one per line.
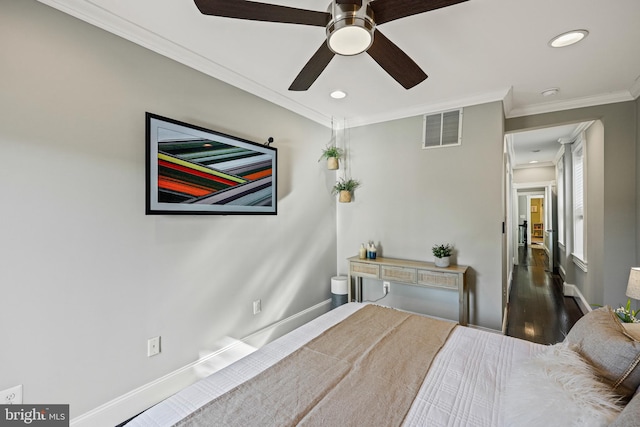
<point>558,388</point>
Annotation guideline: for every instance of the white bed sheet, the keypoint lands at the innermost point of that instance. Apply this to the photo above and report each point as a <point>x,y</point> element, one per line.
<point>462,387</point>
<point>465,382</point>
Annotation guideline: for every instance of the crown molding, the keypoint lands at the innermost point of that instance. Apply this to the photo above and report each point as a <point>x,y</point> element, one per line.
<point>590,101</point>
<point>535,165</point>
<point>94,14</point>
<point>428,108</point>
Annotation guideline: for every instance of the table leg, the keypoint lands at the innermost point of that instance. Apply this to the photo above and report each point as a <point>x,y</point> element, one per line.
<point>359,289</point>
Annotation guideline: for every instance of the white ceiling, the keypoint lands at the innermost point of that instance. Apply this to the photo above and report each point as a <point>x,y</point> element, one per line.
<point>541,145</point>
<point>474,52</point>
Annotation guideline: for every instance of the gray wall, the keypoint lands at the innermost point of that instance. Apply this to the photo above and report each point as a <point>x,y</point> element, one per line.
<point>522,209</point>
<point>593,287</point>
<point>612,188</point>
<point>412,198</point>
<point>540,174</point>
<point>567,269</point>
<point>86,277</point>
<point>637,106</point>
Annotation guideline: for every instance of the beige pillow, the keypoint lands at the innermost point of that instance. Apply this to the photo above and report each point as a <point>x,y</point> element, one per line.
<point>633,330</point>
<point>600,338</point>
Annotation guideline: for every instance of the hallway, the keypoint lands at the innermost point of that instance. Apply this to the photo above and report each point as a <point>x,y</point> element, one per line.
<point>538,311</point>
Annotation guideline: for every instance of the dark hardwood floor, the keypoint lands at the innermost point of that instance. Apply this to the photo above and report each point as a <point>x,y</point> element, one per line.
<point>538,311</point>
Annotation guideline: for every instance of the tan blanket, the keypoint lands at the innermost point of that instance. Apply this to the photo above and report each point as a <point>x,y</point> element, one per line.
<point>365,370</point>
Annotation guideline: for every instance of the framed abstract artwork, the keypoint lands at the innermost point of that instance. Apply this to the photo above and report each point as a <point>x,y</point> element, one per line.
<point>192,170</point>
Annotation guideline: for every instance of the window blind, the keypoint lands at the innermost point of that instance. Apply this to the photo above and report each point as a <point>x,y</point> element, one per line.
<point>578,182</point>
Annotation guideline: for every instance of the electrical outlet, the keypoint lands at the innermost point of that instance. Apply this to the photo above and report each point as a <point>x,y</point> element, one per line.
<point>257,306</point>
<point>386,287</point>
<point>11,396</point>
<point>153,346</point>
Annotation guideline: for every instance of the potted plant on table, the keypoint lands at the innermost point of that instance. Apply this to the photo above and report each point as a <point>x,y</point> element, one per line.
<point>442,252</point>
<point>333,155</point>
<point>345,188</point>
<point>626,314</point>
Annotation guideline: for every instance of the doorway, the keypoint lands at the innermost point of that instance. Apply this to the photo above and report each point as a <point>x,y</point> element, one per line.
<point>530,214</point>
<point>536,224</point>
<point>533,196</point>
<point>534,213</point>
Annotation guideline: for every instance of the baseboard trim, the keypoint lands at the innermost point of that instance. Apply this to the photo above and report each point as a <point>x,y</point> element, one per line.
<point>573,291</point>
<point>132,403</point>
<point>562,271</point>
<point>509,283</point>
<point>504,319</point>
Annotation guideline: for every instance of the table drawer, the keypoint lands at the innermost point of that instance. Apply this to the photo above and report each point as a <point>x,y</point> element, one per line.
<point>365,270</point>
<point>398,274</point>
<point>438,279</point>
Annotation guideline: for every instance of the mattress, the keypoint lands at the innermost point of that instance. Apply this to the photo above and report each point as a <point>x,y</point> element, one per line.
<point>462,388</point>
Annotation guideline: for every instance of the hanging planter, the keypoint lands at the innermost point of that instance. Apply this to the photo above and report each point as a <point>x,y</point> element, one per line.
<point>333,163</point>
<point>345,188</point>
<point>345,196</point>
<point>333,155</point>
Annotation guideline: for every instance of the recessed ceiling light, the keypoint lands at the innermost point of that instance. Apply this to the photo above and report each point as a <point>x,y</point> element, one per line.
<point>338,94</point>
<point>533,161</point>
<point>568,38</point>
<point>550,92</point>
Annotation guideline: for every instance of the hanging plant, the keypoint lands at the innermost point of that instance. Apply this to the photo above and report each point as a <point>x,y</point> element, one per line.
<point>333,155</point>
<point>345,188</point>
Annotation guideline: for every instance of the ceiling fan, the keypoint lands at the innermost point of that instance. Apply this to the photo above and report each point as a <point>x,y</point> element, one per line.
<point>351,28</point>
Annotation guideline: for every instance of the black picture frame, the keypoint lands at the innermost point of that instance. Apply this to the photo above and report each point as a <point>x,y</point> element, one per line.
<point>191,170</point>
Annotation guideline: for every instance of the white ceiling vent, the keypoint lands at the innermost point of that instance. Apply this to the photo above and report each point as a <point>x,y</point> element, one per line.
<point>442,129</point>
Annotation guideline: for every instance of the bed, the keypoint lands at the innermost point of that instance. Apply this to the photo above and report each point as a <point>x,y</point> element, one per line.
<point>363,364</point>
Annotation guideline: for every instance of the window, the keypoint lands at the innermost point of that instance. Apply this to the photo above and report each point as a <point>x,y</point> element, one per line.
<point>579,206</point>
<point>442,129</point>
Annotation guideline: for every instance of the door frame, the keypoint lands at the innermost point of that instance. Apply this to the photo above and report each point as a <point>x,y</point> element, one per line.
<point>544,189</point>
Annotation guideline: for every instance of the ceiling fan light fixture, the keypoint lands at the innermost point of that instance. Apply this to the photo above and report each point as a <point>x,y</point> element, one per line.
<point>568,38</point>
<point>350,32</point>
<point>350,40</point>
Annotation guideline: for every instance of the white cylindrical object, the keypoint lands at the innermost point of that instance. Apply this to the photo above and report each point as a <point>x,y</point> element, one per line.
<point>339,285</point>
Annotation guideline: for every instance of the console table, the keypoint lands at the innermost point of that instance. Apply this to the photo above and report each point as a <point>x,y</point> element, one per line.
<point>415,273</point>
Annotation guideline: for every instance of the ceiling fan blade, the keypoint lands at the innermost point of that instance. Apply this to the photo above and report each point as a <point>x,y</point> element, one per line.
<point>313,68</point>
<point>262,12</point>
<point>395,62</point>
<point>389,10</point>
